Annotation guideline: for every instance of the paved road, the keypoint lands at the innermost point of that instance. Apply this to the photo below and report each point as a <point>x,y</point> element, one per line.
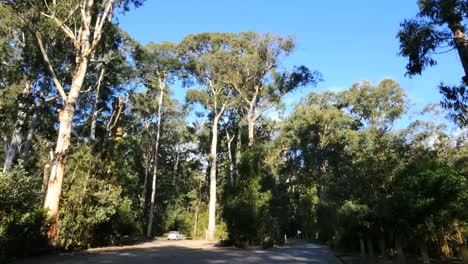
<point>167,252</point>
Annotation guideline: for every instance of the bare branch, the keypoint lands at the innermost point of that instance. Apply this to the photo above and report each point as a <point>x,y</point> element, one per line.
<point>51,98</point>
<point>107,14</point>
<point>261,111</point>
<point>50,68</point>
<point>116,120</point>
<point>62,25</point>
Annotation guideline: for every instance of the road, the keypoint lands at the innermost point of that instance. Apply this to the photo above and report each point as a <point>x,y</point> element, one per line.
<point>188,251</point>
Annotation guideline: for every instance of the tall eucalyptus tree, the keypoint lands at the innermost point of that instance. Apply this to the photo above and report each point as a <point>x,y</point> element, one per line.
<point>205,58</point>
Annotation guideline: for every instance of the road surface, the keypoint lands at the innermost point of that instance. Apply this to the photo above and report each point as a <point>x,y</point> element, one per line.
<point>188,251</point>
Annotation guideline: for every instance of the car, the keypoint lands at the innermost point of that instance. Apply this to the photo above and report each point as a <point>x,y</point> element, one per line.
<point>175,235</point>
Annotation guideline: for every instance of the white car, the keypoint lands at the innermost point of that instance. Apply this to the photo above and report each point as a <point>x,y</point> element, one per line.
<point>175,235</point>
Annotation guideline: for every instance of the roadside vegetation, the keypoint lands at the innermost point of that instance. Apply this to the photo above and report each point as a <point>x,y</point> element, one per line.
<point>97,150</point>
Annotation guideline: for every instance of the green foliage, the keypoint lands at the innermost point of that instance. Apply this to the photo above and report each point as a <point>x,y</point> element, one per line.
<point>251,213</point>
<point>438,27</point>
<point>93,211</point>
<point>427,193</point>
<point>23,227</point>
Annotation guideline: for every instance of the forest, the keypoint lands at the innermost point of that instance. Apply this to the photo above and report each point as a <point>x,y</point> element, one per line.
<point>97,150</point>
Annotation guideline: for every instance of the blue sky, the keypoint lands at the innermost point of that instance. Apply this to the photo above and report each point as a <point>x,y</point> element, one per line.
<point>347,41</point>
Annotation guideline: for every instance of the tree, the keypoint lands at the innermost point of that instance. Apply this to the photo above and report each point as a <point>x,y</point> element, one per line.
<point>158,65</point>
<point>376,106</point>
<point>438,27</point>
<point>82,23</point>
<point>20,67</point>
<point>257,80</point>
<point>203,57</point>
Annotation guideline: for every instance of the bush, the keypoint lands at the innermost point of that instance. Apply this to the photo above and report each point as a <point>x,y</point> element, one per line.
<point>93,214</point>
<point>22,221</point>
<point>93,211</point>
<point>250,209</point>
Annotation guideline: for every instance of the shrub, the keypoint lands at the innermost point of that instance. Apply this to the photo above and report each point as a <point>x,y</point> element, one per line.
<point>22,220</point>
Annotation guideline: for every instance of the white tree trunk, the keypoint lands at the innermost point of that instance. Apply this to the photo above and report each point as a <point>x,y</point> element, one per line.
<point>213,159</point>
<point>84,48</point>
<point>195,224</point>
<point>176,172</point>
<point>231,161</point>
<point>59,163</point>
<point>29,138</point>
<point>17,136</point>
<point>156,160</point>
<point>145,183</point>
<point>238,154</point>
<point>92,134</point>
<point>251,127</point>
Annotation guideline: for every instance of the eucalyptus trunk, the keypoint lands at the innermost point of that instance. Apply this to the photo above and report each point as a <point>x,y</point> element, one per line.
<point>85,44</point>
<point>61,153</point>
<point>145,183</point>
<point>370,249</point>
<point>213,160</point>
<point>424,252</point>
<point>401,259</point>
<point>195,224</point>
<point>251,131</point>
<point>382,246</point>
<point>362,247</point>
<point>238,156</point>
<point>231,161</point>
<point>29,137</point>
<point>17,136</point>
<point>175,172</point>
<point>458,31</point>
<point>156,163</point>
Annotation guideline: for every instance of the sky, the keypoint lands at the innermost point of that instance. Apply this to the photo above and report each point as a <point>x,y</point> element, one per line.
<point>347,41</point>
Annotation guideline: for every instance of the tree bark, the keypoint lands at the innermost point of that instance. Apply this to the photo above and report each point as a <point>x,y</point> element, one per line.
<point>84,46</point>
<point>401,259</point>
<point>238,156</point>
<point>17,136</point>
<point>461,43</point>
<point>362,247</point>
<point>59,163</point>
<point>175,172</point>
<point>45,177</point>
<point>464,253</point>
<point>145,183</point>
<point>231,161</point>
<point>213,159</point>
<point>251,128</point>
<point>382,246</point>
<point>370,249</point>
<point>424,253</point>
<point>92,134</point>
<point>156,161</point>
<point>30,135</point>
<point>195,224</point>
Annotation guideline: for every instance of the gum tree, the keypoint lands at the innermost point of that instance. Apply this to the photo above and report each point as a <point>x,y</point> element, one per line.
<point>81,24</point>
<point>205,59</point>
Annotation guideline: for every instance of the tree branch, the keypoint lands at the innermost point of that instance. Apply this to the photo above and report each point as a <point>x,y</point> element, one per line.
<point>62,25</point>
<point>107,14</point>
<point>50,68</point>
